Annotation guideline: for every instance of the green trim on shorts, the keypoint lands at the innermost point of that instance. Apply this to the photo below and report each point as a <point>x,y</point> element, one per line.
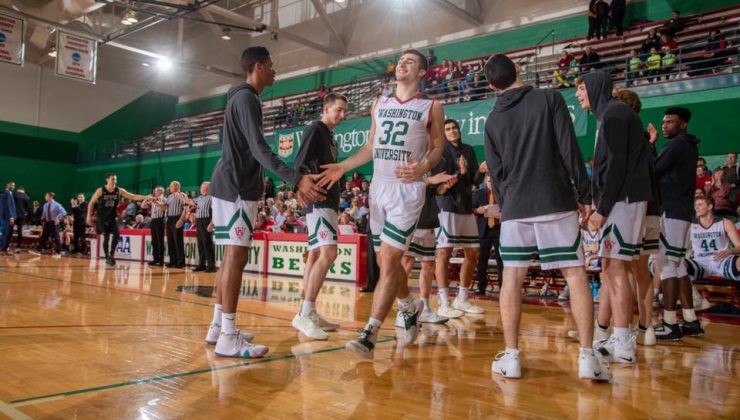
<point>460,239</point>
<point>559,257</point>
<point>517,249</point>
<point>312,240</point>
<point>398,235</point>
<point>234,218</point>
<point>422,250</point>
<point>517,257</point>
<point>544,252</point>
<point>672,251</point>
<point>625,248</point>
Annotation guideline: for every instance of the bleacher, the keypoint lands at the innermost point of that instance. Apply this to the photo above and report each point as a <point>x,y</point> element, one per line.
<point>538,63</point>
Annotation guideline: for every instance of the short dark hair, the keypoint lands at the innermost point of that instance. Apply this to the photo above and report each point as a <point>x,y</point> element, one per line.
<point>423,63</point>
<point>500,71</point>
<point>110,174</point>
<point>252,56</point>
<point>452,121</point>
<point>330,98</point>
<point>678,12</point>
<point>683,113</point>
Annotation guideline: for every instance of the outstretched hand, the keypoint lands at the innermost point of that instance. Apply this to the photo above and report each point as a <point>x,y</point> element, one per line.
<point>440,178</point>
<point>653,132</point>
<point>309,189</point>
<point>333,172</point>
<point>412,171</point>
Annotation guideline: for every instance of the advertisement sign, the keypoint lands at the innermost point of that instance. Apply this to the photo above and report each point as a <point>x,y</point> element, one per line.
<point>12,43</point>
<point>76,57</point>
<point>286,257</point>
<point>336,300</point>
<point>255,256</point>
<point>129,247</point>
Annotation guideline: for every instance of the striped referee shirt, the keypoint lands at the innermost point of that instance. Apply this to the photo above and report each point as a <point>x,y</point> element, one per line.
<point>204,207</point>
<point>174,205</point>
<point>157,213</point>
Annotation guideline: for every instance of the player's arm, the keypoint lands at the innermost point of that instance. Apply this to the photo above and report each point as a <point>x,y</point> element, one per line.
<point>413,171</point>
<point>248,111</point>
<point>570,153</point>
<point>615,132</point>
<point>185,200</point>
<point>733,236</point>
<point>493,162</point>
<point>334,172</point>
<point>133,197</point>
<point>91,205</point>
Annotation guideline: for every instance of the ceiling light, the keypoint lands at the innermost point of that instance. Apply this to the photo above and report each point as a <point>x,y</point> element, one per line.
<point>52,51</point>
<point>226,36</point>
<point>145,64</point>
<point>164,64</point>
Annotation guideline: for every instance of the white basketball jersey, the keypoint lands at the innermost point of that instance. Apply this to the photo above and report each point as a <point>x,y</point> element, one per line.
<point>400,133</point>
<point>707,242</point>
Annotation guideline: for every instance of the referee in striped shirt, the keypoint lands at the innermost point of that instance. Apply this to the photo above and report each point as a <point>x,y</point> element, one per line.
<point>204,229</point>
<point>156,226</point>
<point>175,203</point>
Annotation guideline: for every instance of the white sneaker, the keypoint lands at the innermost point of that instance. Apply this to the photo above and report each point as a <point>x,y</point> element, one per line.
<point>364,345</point>
<point>56,256</point>
<point>647,337</point>
<point>235,345</point>
<point>591,365</point>
<point>700,302</point>
<point>467,306</point>
<point>308,326</point>
<point>429,317</point>
<point>616,351</point>
<point>507,364</point>
<point>410,322</point>
<point>214,330</point>
<point>599,333</point>
<point>326,325</point>
<point>605,347</point>
<point>565,295</point>
<point>449,312</point>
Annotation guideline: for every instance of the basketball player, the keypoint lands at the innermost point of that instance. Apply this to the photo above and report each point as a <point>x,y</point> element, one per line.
<point>675,171</point>
<point>710,239</point>
<point>422,248</point>
<point>535,167</point>
<point>621,187</point>
<point>236,186</point>
<point>457,225</point>
<point>406,141</point>
<point>319,148</point>
<point>105,201</point>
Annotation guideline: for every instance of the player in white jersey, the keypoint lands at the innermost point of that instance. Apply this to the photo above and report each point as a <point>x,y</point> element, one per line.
<point>406,141</point>
<point>710,239</point>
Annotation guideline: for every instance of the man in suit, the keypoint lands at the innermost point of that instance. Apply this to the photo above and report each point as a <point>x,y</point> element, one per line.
<point>7,216</point>
<point>22,216</point>
<point>79,210</point>
<point>489,233</point>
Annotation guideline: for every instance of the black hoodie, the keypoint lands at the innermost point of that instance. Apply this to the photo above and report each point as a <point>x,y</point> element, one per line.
<point>239,173</point>
<point>621,168</point>
<point>533,158</point>
<point>675,170</point>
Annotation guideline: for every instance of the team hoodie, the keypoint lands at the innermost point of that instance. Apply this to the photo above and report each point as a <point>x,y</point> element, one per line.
<point>675,170</point>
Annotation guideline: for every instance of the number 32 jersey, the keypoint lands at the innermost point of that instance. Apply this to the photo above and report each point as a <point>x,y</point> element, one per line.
<point>708,241</point>
<point>400,133</point>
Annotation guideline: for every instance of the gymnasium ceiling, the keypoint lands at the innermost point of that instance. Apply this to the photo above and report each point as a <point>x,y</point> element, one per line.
<point>303,35</point>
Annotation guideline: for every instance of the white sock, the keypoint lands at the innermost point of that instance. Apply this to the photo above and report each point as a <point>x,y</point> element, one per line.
<point>425,304</point>
<point>307,307</point>
<point>405,302</point>
<point>216,314</point>
<point>586,351</point>
<point>622,334</point>
<point>373,324</point>
<point>462,294</point>
<point>689,315</point>
<point>510,351</point>
<point>669,317</point>
<point>444,297</point>
<point>228,323</point>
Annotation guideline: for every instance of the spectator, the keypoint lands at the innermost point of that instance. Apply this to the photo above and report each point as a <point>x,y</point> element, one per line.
<point>719,190</point>
<point>703,162</point>
<point>354,208</point>
<point>698,193</point>
<point>291,202</point>
<point>702,178</point>
<point>365,190</point>
<point>190,224</point>
<point>323,91</point>
<point>668,62</point>
<point>67,232</point>
<point>139,222</point>
<point>591,15</point>
<point>121,209</point>
<point>79,212</point>
<point>669,42</point>
<point>618,9</point>
<point>281,214</point>
<point>732,173</point>
<point>652,41</point>
<point>601,8</point>
<point>634,66</point>
<point>346,220</point>
<point>292,224</point>
<point>653,65</point>
<point>51,215</point>
<point>561,73</point>
<point>590,60</point>
<point>131,209</point>
<point>715,54</point>
<point>390,70</point>
<point>7,216</point>
<point>675,25</point>
<point>22,213</point>
<point>462,74</point>
<point>356,181</point>
<point>479,88</point>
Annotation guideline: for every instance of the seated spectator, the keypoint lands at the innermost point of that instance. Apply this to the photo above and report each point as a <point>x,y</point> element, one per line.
<point>668,62</point>
<point>561,73</point>
<point>719,190</point>
<point>139,222</point>
<point>343,204</point>
<point>292,224</point>
<point>702,178</point>
<point>67,232</point>
<point>479,88</point>
<point>590,60</point>
<point>323,91</point>
<point>653,64</point>
<point>190,222</point>
<point>634,67</point>
<point>652,41</point>
<point>281,214</point>
<point>675,25</point>
<point>291,201</point>
<point>354,208</point>
<point>462,74</point>
<point>264,224</point>
<point>668,41</point>
<point>703,162</point>
<point>131,209</point>
<point>356,181</point>
<point>699,193</point>
<point>346,220</point>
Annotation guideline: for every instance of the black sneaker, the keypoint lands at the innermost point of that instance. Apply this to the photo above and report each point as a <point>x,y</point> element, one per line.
<point>199,269</point>
<point>109,262</point>
<point>668,332</point>
<point>364,345</point>
<point>692,329</point>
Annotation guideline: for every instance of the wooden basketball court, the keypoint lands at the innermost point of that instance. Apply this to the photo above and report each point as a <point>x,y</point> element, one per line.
<point>79,341</point>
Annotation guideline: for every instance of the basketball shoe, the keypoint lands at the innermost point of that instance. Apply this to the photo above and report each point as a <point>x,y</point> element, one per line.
<point>507,364</point>
<point>308,326</point>
<point>214,330</point>
<point>592,366</point>
<point>235,345</point>
<point>408,319</point>
<point>364,345</point>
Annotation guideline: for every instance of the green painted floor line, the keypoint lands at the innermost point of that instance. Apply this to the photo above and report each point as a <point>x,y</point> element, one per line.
<point>180,375</point>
